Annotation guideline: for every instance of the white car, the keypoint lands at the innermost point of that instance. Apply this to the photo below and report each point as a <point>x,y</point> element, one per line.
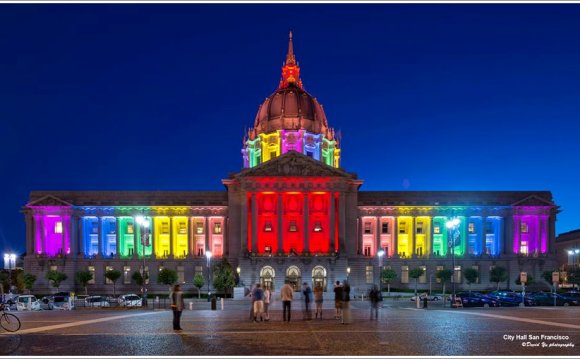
<point>429,297</point>
<point>130,300</point>
<point>96,301</point>
<point>27,302</point>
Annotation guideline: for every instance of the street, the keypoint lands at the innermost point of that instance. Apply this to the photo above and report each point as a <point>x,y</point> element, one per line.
<point>401,330</point>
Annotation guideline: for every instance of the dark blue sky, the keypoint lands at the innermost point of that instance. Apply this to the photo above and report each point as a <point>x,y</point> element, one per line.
<point>156,97</point>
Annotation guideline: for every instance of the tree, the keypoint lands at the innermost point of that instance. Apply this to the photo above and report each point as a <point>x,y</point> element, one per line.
<point>415,273</point>
<point>83,278</point>
<point>471,276</point>
<point>28,280</point>
<point>444,276</point>
<point>223,276</point>
<point>56,278</point>
<point>199,282</point>
<point>138,278</point>
<point>498,275</point>
<point>167,276</point>
<point>387,276</point>
<point>113,275</point>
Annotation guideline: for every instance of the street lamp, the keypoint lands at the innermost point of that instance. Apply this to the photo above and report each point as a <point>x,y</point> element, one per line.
<point>380,253</point>
<point>10,263</point>
<point>144,223</point>
<point>347,272</point>
<point>451,232</point>
<point>208,256</point>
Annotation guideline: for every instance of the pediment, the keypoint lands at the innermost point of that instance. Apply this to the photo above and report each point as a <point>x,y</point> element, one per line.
<point>531,201</point>
<point>293,164</point>
<point>49,201</point>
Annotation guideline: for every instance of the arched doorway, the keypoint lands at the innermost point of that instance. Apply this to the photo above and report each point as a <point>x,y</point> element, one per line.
<point>319,277</point>
<point>267,275</point>
<point>294,276</point>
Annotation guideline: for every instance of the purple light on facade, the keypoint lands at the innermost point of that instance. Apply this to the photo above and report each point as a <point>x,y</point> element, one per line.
<point>532,230</point>
<point>52,230</point>
<point>544,243</point>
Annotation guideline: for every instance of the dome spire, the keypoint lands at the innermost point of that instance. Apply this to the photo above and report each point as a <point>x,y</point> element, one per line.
<point>290,69</point>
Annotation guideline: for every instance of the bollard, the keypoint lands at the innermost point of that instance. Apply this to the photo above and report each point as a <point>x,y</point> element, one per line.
<point>425,302</point>
<point>213,303</point>
<point>222,303</point>
<point>190,305</point>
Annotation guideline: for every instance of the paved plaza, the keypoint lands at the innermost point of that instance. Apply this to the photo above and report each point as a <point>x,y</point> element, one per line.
<point>401,330</point>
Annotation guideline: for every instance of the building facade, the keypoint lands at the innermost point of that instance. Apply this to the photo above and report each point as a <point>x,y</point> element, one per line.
<point>291,213</point>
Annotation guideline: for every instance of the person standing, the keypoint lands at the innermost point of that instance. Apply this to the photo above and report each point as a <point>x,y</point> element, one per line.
<point>286,294</point>
<point>258,296</point>
<point>251,295</point>
<point>346,315</point>
<point>374,297</point>
<point>267,299</point>
<point>307,293</point>
<point>177,306</point>
<point>338,300</point>
<point>318,299</point>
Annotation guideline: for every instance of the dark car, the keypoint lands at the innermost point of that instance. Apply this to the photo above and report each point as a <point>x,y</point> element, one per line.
<point>510,298</point>
<point>573,297</point>
<point>476,299</point>
<point>543,298</point>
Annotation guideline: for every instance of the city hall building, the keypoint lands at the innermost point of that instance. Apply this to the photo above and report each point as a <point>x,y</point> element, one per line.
<point>291,213</point>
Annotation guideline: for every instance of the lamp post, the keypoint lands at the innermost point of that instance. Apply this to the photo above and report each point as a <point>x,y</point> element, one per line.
<point>144,223</point>
<point>347,272</point>
<point>451,231</point>
<point>208,256</point>
<point>380,253</point>
<point>238,270</point>
<point>10,263</point>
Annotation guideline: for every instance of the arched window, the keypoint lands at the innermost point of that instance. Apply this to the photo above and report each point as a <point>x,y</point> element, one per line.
<point>267,275</point>
<point>319,277</point>
<point>294,276</point>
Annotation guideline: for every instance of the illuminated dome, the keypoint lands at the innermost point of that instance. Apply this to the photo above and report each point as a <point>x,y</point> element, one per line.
<point>290,119</point>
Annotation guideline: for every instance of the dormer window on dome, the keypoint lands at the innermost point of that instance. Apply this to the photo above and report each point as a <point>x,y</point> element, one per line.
<point>290,120</point>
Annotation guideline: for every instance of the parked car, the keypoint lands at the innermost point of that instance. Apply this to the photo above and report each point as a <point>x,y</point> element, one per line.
<point>544,298</point>
<point>130,300</point>
<point>476,299</point>
<point>56,302</point>
<point>27,302</point>
<point>429,297</point>
<point>510,298</point>
<point>573,297</point>
<point>96,301</point>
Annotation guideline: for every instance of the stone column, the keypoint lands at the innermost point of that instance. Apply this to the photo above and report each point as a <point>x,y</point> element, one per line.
<point>118,238</point>
<point>73,236</point>
<point>254,222</point>
<point>171,239</point>
<point>207,229</point>
<point>29,234</point>
<point>280,223</point>
<point>483,234</point>
<point>342,223</point>
<point>331,230</point>
<point>395,237</point>
<point>306,224</point>
<point>378,235</point>
<point>244,225</point>
<point>191,236</point>
<point>99,236</point>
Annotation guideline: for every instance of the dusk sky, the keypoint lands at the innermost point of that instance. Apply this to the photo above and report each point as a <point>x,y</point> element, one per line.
<point>157,97</point>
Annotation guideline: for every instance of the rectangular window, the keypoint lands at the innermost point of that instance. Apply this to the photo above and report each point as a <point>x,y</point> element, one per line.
<point>198,227</point>
<point>200,249</point>
<point>471,227</point>
<point>457,274</point>
<point>403,227</point>
<point>182,228</point>
<point>369,274</point>
<point>439,268</point>
<point>404,274</point>
<point>53,268</point>
<point>164,227</point>
<point>477,269</point>
<point>419,227</point>
<point>268,226</point>
<point>180,274</point>
<point>107,280</point>
<point>423,278</point>
<point>268,249</point>
<point>217,228</point>
<point>129,228</point>
<point>488,227</point>
<point>126,275</point>
<point>58,227</point>
<point>524,227</point>
<point>95,227</point>
<point>309,154</point>
<point>436,229</point>
<point>367,251</point>
<point>273,154</point>
<point>91,269</point>
<point>293,227</point>
<point>367,227</point>
<point>385,228</point>
<point>199,269</point>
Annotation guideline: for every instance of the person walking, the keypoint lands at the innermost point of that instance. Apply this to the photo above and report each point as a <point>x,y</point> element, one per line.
<point>375,298</point>
<point>258,296</point>
<point>177,306</point>
<point>338,300</point>
<point>267,299</point>
<point>318,299</point>
<point>346,314</point>
<point>307,293</point>
<point>287,294</point>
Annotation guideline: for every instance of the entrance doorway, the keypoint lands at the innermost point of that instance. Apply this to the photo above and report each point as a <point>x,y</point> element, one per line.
<point>294,276</point>
<point>319,277</point>
<point>267,275</point>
